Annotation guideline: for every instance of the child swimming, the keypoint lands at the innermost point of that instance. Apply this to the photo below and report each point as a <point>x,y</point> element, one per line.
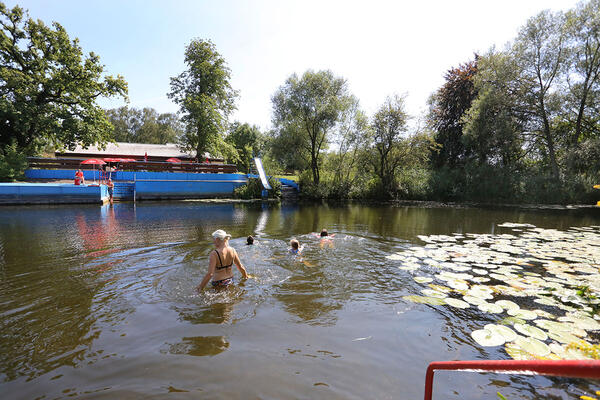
<point>296,249</point>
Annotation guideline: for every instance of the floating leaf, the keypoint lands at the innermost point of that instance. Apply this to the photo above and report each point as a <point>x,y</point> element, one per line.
<point>490,307</point>
<point>523,314</point>
<point>533,346</point>
<point>487,338</point>
<point>508,334</point>
<point>434,301</point>
<point>532,331</point>
<point>456,303</point>
<point>422,279</point>
<point>507,304</point>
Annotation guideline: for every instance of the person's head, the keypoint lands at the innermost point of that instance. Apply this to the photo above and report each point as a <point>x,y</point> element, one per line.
<point>324,233</point>
<point>250,240</point>
<point>295,244</point>
<point>220,236</point>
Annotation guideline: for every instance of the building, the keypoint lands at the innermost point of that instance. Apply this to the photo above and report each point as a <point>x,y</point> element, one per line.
<point>137,151</point>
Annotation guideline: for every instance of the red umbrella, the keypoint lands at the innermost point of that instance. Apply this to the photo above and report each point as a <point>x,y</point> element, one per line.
<point>113,159</point>
<point>173,160</point>
<point>93,161</point>
<point>128,160</point>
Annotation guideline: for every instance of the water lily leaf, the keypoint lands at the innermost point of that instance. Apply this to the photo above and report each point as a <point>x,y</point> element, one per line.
<point>533,346</point>
<point>507,304</point>
<point>512,321</point>
<point>434,301</point>
<point>490,307</point>
<point>396,256</point>
<point>508,334</point>
<point>422,279</point>
<point>456,303</point>
<point>532,331</point>
<point>562,337</point>
<point>434,293</point>
<point>523,314</point>
<point>473,300</point>
<point>487,338</point>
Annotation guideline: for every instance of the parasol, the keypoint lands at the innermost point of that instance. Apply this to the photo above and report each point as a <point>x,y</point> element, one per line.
<point>174,160</point>
<point>93,161</point>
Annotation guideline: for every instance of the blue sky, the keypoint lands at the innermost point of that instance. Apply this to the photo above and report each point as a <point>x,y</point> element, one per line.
<point>380,47</point>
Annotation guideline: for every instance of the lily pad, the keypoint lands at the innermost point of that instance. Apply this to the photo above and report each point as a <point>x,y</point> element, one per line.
<point>456,303</point>
<point>490,307</point>
<point>507,304</point>
<point>488,338</point>
<point>532,331</point>
<point>508,334</point>
<point>533,346</point>
<point>523,314</point>
<point>422,279</point>
<point>434,301</point>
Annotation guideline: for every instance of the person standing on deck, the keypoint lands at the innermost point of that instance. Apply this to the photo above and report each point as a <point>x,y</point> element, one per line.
<point>220,262</point>
<point>111,186</point>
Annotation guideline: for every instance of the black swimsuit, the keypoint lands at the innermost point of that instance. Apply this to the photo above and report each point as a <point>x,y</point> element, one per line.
<point>226,281</point>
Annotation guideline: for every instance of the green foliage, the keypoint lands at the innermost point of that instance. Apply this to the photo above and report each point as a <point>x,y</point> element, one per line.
<point>133,125</point>
<point>205,98</point>
<point>306,111</point>
<point>253,189</point>
<point>48,87</point>
<point>248,142</point>
<point>12,163</point>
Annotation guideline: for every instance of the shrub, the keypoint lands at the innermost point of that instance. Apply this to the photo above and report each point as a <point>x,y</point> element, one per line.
<point>12,164</point>
<point>253,189</point>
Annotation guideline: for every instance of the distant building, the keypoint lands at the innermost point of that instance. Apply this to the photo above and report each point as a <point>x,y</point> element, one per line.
<point>137,151</point>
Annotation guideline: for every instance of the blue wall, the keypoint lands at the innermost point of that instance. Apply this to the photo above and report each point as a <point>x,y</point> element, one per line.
<point>172,189</point>
<point>51,193</point>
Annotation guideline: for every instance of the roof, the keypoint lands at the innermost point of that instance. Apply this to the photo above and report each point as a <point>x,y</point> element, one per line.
<point>132,149</point>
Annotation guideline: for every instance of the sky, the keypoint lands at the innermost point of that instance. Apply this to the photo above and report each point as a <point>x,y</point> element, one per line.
<point>382,48</point>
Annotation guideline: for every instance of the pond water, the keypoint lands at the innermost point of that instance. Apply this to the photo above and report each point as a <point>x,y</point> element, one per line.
<point>100,302</point>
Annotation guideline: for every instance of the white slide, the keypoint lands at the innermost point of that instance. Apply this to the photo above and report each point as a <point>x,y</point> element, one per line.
<point>261,173</point>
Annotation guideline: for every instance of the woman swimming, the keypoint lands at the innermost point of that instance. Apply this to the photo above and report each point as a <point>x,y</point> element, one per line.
<point>220,262</point>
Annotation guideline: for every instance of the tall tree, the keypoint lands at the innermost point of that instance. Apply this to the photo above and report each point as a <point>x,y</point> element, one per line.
<point>447,108</point>
<point>48,88</point>
<point>388,126</point>
<point>583,30</point>
<point>540,51</point>
<point>205,98</point>
<point>310,108</point>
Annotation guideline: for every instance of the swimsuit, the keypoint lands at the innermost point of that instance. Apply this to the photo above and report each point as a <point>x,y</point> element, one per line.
<point>226,281</point>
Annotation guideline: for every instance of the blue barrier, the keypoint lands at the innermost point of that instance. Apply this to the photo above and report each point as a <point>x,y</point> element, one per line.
<point>173,189</point>
<point>51,193</point>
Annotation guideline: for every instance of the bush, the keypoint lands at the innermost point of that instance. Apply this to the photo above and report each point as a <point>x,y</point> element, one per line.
<point>253,189</point>
<point>12,164</point>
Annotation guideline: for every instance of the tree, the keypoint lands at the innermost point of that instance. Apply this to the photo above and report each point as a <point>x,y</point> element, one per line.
<point>309,109</point>
<point>447,110</point>
<point>48,89</point>
<point>540,52</point>
<point>583,30</point>
<point>205,98</point>
<point>388,126</point>
<point>248,141</point>
<point>133,125</point>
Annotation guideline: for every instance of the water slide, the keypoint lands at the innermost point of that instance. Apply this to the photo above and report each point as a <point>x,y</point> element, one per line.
<point>261,173</point>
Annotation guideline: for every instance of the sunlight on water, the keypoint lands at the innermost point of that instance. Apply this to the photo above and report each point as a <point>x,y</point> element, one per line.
<point>103,300</point>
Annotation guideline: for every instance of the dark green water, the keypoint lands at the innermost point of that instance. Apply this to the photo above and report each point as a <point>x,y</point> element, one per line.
<point>99,302</point>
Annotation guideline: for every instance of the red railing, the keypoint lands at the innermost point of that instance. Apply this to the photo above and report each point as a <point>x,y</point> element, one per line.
<point>568,368</point>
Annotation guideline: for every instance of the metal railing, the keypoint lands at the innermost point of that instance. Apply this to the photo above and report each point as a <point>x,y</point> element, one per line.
<point>153,166</point>
<point>589,369</point>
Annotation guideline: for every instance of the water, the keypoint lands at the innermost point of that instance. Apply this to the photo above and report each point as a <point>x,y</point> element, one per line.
<point>99,302</point>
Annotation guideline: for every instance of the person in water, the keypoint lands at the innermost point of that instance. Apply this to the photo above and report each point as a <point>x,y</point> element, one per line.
<point>296,249</point>
<point>250,240</point>
<point>325,238</point>
<point>220,262</point>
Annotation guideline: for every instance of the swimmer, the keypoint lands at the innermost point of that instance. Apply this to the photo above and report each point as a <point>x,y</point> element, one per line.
<point>250,240</point>
<point>296,249</point>
<point>220,262</point>
<point>325,238</point>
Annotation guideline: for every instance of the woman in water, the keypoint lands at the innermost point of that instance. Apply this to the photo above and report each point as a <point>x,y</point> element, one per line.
<point>220,262</point>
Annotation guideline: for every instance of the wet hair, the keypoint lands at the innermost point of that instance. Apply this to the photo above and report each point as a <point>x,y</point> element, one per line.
<point>250,240</point>
<point>324,233</point>
<point>295,244</point>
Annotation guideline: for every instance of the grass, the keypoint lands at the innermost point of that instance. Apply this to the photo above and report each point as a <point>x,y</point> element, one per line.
<point>290,177</point>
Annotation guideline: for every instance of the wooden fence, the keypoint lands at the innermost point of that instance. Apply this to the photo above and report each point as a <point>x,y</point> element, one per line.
<point>155,166</point>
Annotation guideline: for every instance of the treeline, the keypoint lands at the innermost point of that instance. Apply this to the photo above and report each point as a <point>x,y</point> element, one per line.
<point>518,124</point>
<point>521,124</point>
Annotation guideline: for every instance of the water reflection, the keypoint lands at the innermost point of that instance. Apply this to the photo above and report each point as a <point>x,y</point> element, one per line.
<point>199,346</point>
<point>78,284</point>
